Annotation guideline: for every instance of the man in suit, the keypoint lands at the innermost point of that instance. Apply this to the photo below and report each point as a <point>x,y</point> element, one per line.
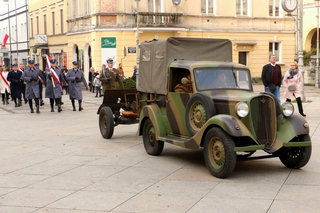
<point>30,76</point>
<point>75,77</point>
<point>109,76</point>
<point>271,77</point>
<point>53,88</point>
<point>15,84</point>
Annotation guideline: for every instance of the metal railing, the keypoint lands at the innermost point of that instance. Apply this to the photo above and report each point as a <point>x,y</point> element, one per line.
<point>159,19</point>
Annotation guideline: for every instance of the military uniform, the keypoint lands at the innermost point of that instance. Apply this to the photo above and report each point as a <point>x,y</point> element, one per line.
<point>75,77</point>
<point>54,92</point>
<point>187,88</point>
<point>15,86</point>
<point>41,84</point>
<point>30,76</point>
<point>108,77</point>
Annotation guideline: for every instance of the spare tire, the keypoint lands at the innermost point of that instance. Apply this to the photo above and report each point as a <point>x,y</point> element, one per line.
<point>278,112</point>
<point>200,108</point>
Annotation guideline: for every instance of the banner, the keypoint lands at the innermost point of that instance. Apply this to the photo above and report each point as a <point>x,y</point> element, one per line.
<point>109,50</point>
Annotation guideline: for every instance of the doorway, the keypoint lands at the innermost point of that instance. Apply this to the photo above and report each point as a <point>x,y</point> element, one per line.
<point>243,58</point>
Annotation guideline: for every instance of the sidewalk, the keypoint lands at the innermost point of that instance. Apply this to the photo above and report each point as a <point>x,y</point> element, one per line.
<point>59,163</point>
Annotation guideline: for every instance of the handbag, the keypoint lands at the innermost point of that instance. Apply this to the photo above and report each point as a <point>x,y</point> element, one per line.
<point>292,88</point>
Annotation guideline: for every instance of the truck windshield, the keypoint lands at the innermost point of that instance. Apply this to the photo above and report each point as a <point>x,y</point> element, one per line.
<point>217,78</point>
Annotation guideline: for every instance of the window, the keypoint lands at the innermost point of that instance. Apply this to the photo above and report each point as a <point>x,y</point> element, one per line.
<point>208,6</point>
<point>31,27</point>
<point>242,7</point>
<point>155,6</point>
<point>274,49</point>
<point>274,7</point>
<point>45,24</point>
<point>61,21</point>
<point>53,24</point>
<point>37,20</point>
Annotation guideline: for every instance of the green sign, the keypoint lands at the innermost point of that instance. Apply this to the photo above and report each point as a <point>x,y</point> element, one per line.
<point>108,42</point>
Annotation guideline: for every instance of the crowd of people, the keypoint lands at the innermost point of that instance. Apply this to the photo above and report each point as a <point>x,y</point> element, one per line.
<point>27,84</point>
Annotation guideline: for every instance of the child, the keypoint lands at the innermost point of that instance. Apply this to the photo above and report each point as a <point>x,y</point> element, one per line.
<point>97,84</point>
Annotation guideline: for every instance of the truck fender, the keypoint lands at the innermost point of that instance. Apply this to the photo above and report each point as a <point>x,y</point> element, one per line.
<point>292,126</point>
<point>231,125</point>
<point>152,112</point>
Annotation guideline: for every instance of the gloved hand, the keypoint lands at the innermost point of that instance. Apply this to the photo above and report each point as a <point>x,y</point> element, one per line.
<point>109,79</point>
<point>34,79</point>
<point>49,76</point>
<point>78,79</point>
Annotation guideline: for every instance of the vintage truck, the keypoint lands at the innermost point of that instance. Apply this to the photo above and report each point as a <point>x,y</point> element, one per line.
<point>228,120</point>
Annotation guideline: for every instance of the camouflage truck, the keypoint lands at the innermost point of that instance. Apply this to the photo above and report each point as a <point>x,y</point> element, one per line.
<point>221,113</point>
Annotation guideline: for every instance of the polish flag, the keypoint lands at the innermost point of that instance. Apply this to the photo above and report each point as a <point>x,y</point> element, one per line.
<point>54,74</point>
<point>4,39</point>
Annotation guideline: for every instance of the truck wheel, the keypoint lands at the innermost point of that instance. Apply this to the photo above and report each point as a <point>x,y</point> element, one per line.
<point>151,145</point>
<point>106,122</point>
<point>297,157</point>
<point>219,153</point>
<point>200,108</point>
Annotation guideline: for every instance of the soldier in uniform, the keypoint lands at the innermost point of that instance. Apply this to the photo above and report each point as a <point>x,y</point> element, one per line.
<point>15,85</point>
<point>75,77</point>
<point>21,68</point>
<point>40,84</point>
<point>109,76</point>
<point>53,88</point>
<point>30,75</point>
<point>185,86</point>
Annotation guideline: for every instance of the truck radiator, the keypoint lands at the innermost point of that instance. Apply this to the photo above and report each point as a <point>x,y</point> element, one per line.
<point>264,120</point>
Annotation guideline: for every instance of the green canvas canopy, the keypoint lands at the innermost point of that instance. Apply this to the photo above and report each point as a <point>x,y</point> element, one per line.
<point>157,55</point>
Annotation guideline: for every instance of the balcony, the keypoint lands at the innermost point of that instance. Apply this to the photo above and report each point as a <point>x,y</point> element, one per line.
<point>147,19</point>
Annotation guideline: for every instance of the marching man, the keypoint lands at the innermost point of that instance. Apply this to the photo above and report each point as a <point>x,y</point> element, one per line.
<point>75,77</point>
<point>31,76</point>
<point>15,84</point>
<point>53,85</point>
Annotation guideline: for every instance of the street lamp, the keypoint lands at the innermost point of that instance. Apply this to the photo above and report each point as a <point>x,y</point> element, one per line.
<point>300,62</point>
<point>317,61</point>
<point>137,51</point>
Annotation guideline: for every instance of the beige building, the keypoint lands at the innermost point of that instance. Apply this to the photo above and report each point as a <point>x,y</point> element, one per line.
<point>47,30</point>
<point>100,29</point>
<point>310,24</point>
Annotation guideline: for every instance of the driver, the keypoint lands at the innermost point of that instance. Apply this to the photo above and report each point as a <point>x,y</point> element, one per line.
<point>185,86</point>
<point>221,80</point>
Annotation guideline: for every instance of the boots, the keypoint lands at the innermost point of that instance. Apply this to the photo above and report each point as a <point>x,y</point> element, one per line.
<point>15,102</point>
<point>74,107</point>
<point>300,107</point>
<point>59,108</point>
<point>19,103</point>
<point>41,102</point>
<point>38,111</point>
<point>80,108</point>
<point>7,101</point>
<point>3,102</point>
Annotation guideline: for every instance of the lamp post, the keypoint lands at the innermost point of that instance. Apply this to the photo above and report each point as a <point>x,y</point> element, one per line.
<point>137,51</point>
<point>317,60</point>
<point>300,62</point>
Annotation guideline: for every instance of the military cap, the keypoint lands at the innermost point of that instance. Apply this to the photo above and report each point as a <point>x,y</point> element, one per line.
<point>53,61</point>
<point>15,65</point>
<point>37,64</point>
<point>31,62</point>
<point>110,60</point>
<point>75,63</point>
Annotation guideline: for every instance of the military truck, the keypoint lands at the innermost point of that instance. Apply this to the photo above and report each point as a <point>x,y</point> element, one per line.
<point>221,113</point>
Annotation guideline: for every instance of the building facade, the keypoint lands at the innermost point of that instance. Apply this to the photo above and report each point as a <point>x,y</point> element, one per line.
<point>14,22</point>
<point>48,31</point>
<point>100,29</point>
<point>310,24</point>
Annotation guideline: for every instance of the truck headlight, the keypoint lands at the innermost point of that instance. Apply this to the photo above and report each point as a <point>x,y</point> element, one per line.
<point>242,109</point>
<point>287,109</point>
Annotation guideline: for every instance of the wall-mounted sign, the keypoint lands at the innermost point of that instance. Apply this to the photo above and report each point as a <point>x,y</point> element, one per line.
<point>108,49</point>
<point>132,50</point>
<point>108,42</point>
<point>40,39</point>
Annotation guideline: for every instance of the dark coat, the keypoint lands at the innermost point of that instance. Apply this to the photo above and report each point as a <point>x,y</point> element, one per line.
<point>56,90</point>
<point>267,74</point>
<point>32,87</point>
<point>112,75</point>
<point>75,88</point>
<point>15,83</point>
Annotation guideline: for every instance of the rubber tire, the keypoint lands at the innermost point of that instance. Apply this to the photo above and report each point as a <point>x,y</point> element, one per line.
<point>106,122</point>
<point>230,158</point>
<point>303,157</point>
<point>151,145</point>
<point>278,112</point>
<point>209,107</point>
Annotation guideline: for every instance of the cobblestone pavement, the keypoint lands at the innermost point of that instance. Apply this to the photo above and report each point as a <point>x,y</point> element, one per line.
<point>59,163</point>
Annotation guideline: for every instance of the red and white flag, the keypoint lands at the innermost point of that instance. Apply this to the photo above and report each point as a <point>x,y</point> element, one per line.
<point>2,62</point>
<point>4,79</point>
<point>4,39</point>
<point>54,74</point>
